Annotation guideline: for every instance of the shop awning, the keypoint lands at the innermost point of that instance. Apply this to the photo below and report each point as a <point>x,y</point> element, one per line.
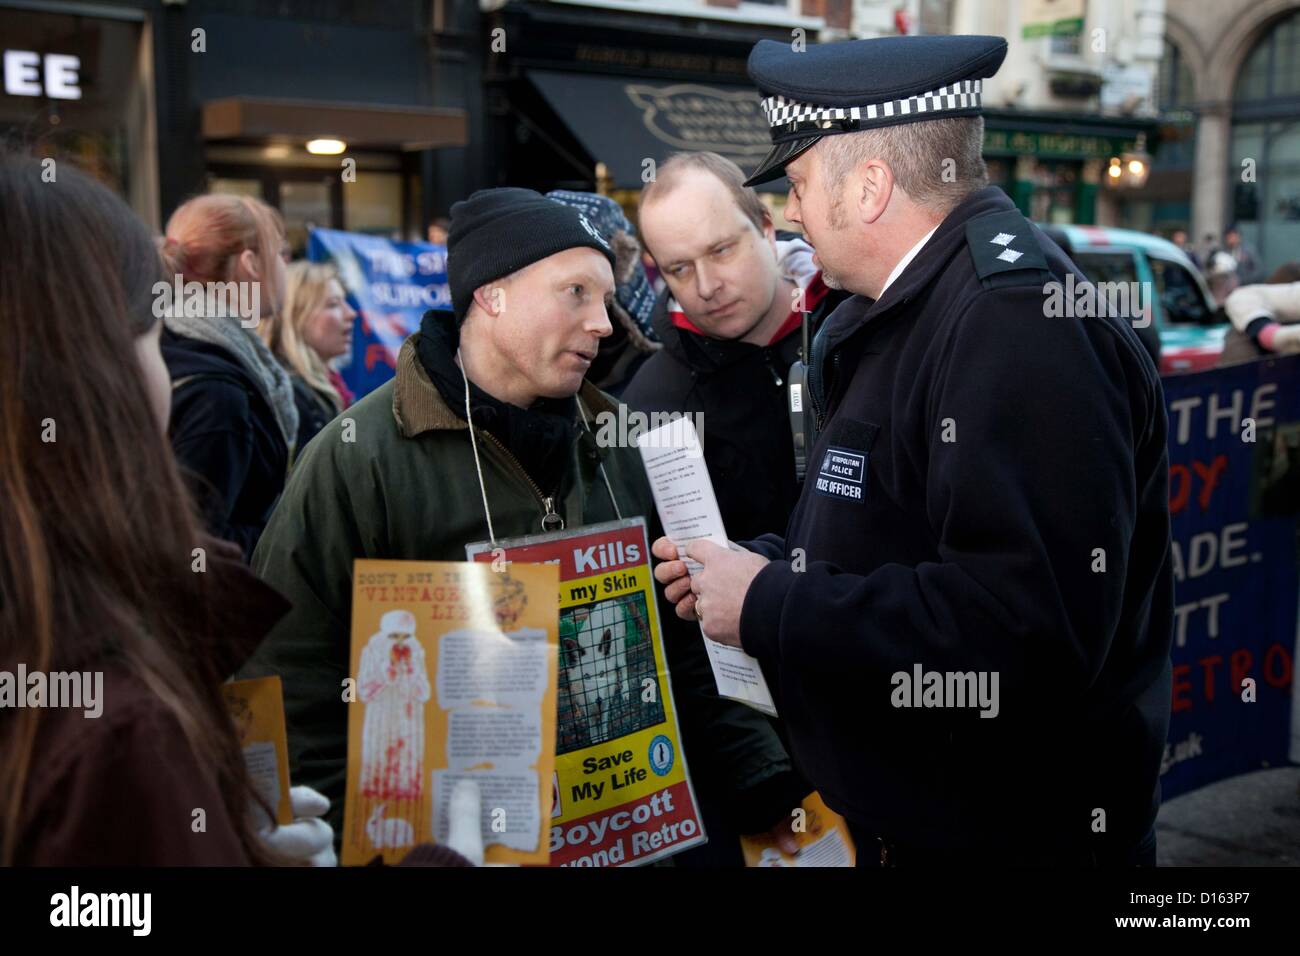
<point>362,125</point>
<point>623,121</point>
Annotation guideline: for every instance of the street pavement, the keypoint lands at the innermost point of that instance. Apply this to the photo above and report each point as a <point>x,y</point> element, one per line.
<point>1250,820</point>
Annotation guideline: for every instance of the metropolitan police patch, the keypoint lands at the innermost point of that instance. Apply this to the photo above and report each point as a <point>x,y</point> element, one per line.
<point>843,474</point>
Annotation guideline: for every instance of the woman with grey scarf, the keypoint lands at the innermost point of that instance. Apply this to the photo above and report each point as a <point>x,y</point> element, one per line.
<point>233,419</point>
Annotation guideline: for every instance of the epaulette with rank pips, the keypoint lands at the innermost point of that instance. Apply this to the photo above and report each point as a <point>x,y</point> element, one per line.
<point>1004,247</point>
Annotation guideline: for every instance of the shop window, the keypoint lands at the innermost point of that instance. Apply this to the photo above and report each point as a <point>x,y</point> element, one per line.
<point>1175,90</point>
<point>999,171</point>
<point>414,209</point>
<point>230,186</point>
<point>305,206</point>
<point>1264,172</point>
<point>76,89</point>
<point>1273,67</point>
<point>1070,44</point>
<point>1055,196</point>
<point>373,204</point>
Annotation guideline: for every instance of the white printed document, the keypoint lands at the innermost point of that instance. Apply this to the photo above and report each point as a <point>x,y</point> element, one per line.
<point>688,510</point>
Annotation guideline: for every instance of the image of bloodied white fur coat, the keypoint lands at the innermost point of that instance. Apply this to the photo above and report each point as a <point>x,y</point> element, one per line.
<point>394,686</point>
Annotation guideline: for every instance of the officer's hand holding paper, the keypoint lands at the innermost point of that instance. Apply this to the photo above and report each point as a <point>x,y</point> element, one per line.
<point>711,579</point>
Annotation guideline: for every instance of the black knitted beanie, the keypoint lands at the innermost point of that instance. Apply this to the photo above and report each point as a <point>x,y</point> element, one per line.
<point>498,231</point>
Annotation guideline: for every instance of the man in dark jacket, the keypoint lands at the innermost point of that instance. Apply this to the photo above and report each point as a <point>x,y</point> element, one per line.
<point>967,623</point>
<point>529,281</point>
<point>730,322</point>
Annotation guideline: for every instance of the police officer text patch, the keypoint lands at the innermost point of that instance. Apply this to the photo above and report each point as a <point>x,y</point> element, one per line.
<point>843,474</point>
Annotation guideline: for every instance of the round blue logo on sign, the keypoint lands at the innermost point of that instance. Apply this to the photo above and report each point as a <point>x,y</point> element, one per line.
<point>661,755</point>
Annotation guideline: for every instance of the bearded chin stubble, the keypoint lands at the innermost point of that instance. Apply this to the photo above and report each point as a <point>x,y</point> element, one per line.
<point>836,218</point>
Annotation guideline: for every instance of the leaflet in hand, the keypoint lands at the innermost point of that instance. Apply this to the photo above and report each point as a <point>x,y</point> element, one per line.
<point>821,833</point>
<point>688,510</point>
<point>257,708</point>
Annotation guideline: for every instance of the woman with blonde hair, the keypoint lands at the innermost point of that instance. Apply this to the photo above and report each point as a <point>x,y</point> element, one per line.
<point>313,328</point>
<point>233,420</point>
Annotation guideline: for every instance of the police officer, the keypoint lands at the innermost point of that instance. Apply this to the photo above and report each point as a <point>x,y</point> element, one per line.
<point>967,622</point>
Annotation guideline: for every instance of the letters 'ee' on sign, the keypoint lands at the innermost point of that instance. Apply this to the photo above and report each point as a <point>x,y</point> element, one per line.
<point>23,75</point>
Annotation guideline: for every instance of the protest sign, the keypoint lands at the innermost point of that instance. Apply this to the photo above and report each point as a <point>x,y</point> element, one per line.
<point>622,794</point>
<point>453,669</point>
<point>390,285</point>
<point>1234,487</point>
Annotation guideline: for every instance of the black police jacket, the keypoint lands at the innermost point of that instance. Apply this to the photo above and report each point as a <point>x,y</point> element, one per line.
<point>987,495</point>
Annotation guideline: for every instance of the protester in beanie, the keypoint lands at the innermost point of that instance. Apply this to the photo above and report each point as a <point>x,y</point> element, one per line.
<point>633,339</point>
<point>234,421</point>
<point>99,548</point>
<point>313,328</point>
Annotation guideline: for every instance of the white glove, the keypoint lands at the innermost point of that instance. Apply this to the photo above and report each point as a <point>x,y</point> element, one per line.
<point>465,833</point>
<point>1279,303</point>
<point>1286,340</point>
<point>309,839</point>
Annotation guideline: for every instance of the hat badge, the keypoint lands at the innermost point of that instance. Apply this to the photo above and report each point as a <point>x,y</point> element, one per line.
<point>592,229</point>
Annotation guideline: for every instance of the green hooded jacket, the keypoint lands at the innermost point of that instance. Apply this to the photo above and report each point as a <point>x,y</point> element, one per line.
<point>394,478</point>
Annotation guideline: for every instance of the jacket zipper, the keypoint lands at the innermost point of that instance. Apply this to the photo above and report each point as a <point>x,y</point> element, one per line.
<point>835,369</point>
<point>776,376</point>
<point>814,360</point>
<point>817,410</point>
<point>550,518</point>
<point>816,407</point>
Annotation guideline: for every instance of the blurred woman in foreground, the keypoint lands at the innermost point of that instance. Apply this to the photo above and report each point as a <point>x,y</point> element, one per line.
<point>108,587</point>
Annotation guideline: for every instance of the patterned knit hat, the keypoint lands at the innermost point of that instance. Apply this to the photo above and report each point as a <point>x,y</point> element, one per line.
<point>632,289</point>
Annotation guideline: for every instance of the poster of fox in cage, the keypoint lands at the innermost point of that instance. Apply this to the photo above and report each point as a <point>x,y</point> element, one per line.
<point>622,793</point>
<point>453,667</point>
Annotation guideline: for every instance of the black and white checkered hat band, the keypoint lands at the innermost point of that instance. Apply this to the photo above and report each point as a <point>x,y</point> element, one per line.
<point>789,116</point>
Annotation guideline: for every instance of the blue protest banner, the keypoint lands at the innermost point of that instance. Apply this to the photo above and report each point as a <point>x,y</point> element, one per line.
<point>1234,489</point>
<point>391,285</point>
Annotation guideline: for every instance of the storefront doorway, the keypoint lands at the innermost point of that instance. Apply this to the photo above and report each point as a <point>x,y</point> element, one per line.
<point>311,192</point>
<point>80,88</point>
